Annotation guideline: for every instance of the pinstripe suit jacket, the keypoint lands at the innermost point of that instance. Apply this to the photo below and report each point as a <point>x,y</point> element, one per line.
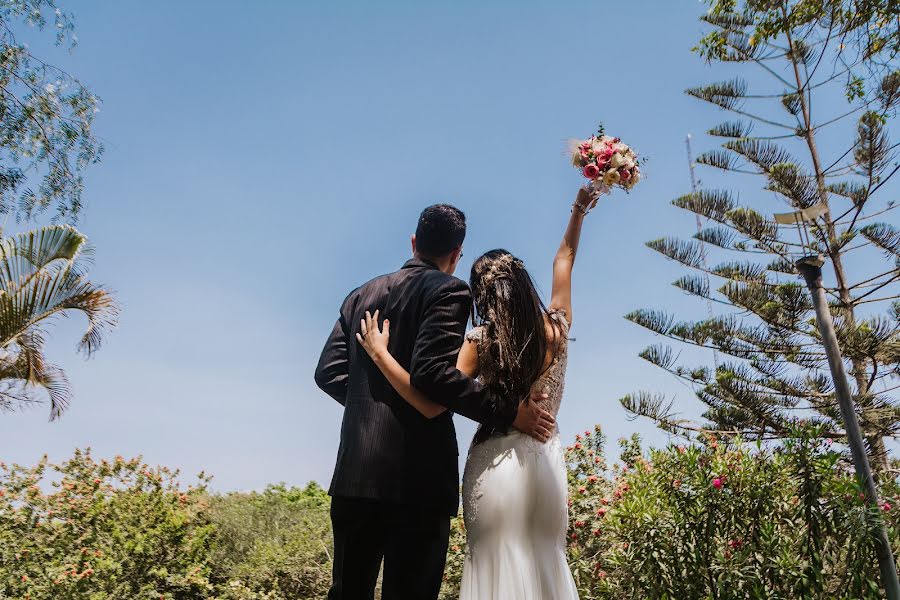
<point>388,451</point>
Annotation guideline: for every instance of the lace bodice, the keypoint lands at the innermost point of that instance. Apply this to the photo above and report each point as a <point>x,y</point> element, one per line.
<point>552,380</point>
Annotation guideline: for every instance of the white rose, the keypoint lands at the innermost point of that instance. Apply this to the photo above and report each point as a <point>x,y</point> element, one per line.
<point>616,161</point>
<point>611,177</point>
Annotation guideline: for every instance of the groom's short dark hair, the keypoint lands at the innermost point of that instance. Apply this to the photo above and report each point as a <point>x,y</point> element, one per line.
<point>441,229</point>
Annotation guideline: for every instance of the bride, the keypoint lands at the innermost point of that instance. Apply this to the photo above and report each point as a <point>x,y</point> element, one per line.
<point>514,487</point>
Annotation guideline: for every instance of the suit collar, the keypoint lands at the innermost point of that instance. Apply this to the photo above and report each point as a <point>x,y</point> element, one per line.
<point>419,263</point>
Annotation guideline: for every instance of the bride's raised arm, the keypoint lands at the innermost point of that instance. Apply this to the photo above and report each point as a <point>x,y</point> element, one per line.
<point>561,296</point>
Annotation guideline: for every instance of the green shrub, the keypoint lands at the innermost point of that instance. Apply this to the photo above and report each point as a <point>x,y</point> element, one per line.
<point>94,530</point>
<point>274,545</point>
<point>723,520</point>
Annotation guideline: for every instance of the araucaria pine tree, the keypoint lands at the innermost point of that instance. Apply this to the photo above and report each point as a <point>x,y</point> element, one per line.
<point>817,67</point>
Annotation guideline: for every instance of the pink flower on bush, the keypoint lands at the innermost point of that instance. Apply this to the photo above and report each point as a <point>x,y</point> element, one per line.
<point>601,512</point>
<point>717,483</point>
<point>886,506</point>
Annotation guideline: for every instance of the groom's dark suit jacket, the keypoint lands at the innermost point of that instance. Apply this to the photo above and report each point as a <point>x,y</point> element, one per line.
<point>388,451</point>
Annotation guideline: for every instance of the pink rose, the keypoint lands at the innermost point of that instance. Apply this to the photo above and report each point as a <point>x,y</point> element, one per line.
<point>624,174</point>
<point>591,171</point>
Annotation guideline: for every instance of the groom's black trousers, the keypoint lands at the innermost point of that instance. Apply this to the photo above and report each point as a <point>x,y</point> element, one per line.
<point>412,541</point>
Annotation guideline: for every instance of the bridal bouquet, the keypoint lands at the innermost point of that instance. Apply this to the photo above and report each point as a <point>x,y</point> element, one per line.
<point>606,162</point>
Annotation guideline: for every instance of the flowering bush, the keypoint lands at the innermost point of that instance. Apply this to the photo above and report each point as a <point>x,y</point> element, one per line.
<point>719,519</point>
<point>723,520</point>
<point>108,529</point>
<point>715,520</point>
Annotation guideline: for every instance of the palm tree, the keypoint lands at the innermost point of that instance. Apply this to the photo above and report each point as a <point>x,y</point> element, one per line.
<point>42,277</point>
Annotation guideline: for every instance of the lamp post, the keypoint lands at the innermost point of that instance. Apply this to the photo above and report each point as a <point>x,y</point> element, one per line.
<point>810,267</point>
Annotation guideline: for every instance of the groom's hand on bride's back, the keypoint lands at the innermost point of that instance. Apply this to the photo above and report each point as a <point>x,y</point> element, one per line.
<point>533,420</point>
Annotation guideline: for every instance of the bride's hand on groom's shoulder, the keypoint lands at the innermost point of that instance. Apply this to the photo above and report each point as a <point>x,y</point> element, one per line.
<point>533,420</point>
<point>374,339</point>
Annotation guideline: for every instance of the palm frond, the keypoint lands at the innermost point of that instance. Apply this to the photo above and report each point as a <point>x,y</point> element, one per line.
<point>43,276</point>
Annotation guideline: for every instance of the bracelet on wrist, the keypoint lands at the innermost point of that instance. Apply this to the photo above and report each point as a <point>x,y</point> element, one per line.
<point>579,208</point>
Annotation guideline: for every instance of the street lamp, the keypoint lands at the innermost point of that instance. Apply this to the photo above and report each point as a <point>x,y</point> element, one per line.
<point>810,266</point>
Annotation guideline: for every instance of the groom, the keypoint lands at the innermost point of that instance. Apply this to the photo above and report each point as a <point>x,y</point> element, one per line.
<point>396,482</point>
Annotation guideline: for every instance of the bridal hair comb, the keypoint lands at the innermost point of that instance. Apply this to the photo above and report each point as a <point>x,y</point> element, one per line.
<point>501,267</point>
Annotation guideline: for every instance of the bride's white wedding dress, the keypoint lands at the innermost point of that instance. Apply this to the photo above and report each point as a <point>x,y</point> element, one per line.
<point>514,503</point>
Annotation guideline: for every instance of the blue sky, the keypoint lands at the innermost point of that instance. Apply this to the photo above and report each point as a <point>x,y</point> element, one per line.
<point>263,158</point>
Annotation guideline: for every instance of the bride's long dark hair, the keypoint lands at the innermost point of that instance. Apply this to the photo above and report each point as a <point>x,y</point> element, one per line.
<point>513,317</point>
